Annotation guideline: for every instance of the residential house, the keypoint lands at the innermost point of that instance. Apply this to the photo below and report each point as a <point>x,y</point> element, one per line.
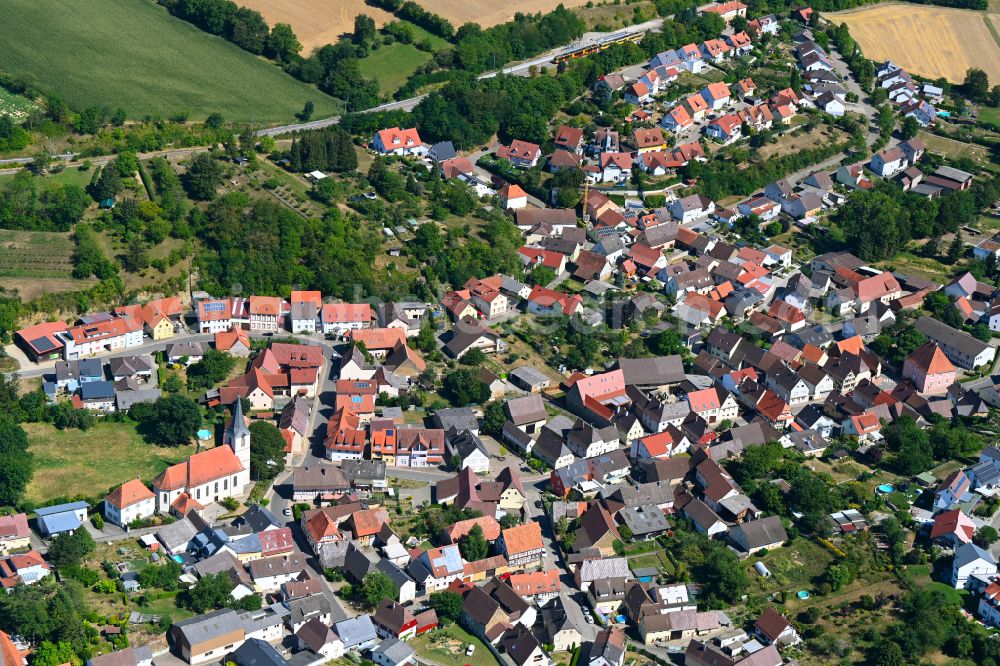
<point>395,141</point>
<point>129,502</point>
<point>970,562</point>
<point>521,154</point>
<point>755,535</point>
<point>929,369</point>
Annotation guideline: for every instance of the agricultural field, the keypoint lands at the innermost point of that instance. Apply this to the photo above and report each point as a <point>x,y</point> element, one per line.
<point>134,55</point>
<point>72,462</point>
<point>319,22</point>
<point>925,40</point>
<point>37,262</point>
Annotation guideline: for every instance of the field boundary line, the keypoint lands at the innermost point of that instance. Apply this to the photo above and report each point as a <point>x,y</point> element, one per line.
<point>993,30</point>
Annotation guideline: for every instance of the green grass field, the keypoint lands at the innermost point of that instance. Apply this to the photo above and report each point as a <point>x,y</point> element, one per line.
<point>39,254</point>
<point>392,65</point>
<point>133,55</point>
<point>446,646</point>
<point>72,462</point>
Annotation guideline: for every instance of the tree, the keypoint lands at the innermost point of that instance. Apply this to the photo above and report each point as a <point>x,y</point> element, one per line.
<point>16,462</point>
<point>69,549</point>
<point>282,44</point>
<point>211,592</point>
<point>267,450</point>
<point>727,580</point>
<point>203,177</point>
<point>474,357</point>
<point>473,545</point>
<point>213,367</point>
<point>108,184</point>
<point>364,29</point>
<point>889,654</point>
<point>995,96</point>
<point>910,128</point>
<point>426,341</point>
<point>464,387</point>
<point>911,444</point>
<point>173,419</point>
<point>493,418</point>
<point>838,575</point>
<point>214,120</point>
<point>985,536</point>
<point>976,84</point>
<point>956,248</point>
<point>307,112</point>
<point>55,654</point>
<point>375,587</point>
<point>541,275</point>
<point>448,605</point>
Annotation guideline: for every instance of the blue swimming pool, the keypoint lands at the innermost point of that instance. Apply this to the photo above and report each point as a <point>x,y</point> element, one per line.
<point>885,488</point>
<point>177,558</point>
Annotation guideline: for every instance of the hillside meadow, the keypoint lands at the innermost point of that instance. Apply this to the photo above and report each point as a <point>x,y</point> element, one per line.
<point>131,54</point>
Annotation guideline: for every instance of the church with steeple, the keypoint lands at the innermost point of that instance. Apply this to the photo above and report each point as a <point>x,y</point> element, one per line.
<point>210,475</point>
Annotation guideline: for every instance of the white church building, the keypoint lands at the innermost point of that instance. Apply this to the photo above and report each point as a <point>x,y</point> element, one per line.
<point>211,475</point>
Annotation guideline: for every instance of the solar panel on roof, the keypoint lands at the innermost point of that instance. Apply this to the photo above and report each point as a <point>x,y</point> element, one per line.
<point>43,344</point>
<point>215,306</point>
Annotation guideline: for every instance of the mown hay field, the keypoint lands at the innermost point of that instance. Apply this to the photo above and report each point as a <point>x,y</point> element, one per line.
<point>132,54</point>
<point>926,40</point>
<point>319,22</point>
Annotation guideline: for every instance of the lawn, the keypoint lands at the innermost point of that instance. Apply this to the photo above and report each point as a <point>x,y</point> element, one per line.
<point>91,462</point>
<point>134,55</point>
<point>794,567</point>
<point>446,646</point>
<point>392,65</point>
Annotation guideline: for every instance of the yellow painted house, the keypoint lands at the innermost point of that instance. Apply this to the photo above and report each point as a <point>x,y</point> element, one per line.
<point>159,328</point>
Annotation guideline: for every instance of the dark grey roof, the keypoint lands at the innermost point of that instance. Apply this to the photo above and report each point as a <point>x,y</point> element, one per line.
<point>208,626</point>
<point>258,518</point>
<point>355,631</point>
<point>644,520</point>
<point>395,650</point>
<point>457,418</point>
<point>465,443</point>
<point>321,477</point>
<point>526,409</point>
<point>363,470</point>
<point>238,426</point>
<point>757,533</point>
<point>529,375</point>
<point>946,335</point>
<point>655,371</point>
<point>256,652</point>
<point>97,391</point>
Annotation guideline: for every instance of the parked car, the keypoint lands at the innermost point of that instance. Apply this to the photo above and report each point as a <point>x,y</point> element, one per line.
<point>469,650</point>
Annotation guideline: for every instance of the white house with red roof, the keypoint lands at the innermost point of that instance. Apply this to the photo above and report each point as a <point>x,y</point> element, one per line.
<point>522,154</point>
<point>691,57</point>
<point>716,95</point>
<point>220,315</point>
<point>677,119</point>
<point>105,336</point>
<point>342,317</point>
<point>211,475</point>
<point>725,129</point>
<point>543,301</point>
<point>865,426</point>
<point>395,141</point>
<point>512,197</point>
<point>727,10</point>
<point>715,50</point>
<point>615,167</point>
<point>128,502</point>
<point>713,404</point>
<point>953,527</point>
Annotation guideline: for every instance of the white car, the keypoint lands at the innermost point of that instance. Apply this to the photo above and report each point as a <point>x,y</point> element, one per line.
<point>287,511</point>
<point>469,650</point>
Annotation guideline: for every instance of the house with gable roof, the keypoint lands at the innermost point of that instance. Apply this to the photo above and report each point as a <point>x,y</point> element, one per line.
<point>129,502</point>
<point>395,141</point>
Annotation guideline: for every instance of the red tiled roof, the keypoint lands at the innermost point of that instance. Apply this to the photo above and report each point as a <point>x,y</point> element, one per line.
<point>200,468</point>
<point>522,538</point>
<point>129,493</point>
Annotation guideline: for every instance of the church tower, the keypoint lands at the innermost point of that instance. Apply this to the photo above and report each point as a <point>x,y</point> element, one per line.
<point>237,435</point>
